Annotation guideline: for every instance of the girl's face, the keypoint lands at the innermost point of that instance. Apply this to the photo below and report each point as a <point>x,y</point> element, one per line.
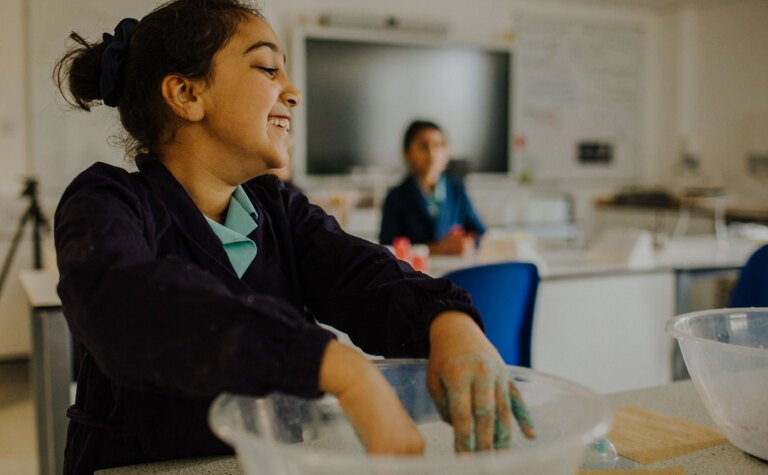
<point>427,155</point>
<point>249,100</point>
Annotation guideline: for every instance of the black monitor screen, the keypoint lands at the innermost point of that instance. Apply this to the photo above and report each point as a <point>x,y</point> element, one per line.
<point>361,96</point>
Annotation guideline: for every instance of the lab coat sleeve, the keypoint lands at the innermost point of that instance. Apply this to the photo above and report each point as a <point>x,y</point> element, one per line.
<point>360,288</point>
<point>162,323</point>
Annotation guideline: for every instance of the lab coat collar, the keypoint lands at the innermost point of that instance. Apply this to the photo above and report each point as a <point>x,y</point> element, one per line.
<point>188,218</point>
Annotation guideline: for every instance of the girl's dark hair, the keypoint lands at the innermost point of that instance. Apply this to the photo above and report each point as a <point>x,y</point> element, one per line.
<point>181,37</point>
<point>416,127</point>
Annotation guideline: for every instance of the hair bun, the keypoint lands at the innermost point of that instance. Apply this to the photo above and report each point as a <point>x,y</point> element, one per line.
<point>113,60</point>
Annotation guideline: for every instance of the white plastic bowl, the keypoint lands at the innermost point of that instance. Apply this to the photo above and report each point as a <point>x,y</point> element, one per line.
<point>726,352</point>
<point>284,435</point>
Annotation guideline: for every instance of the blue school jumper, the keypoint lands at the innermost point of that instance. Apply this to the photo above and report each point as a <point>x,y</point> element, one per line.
<point>407,212</point>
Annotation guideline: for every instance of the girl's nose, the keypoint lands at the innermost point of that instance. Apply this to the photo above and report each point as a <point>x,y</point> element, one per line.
<point>292,95</point>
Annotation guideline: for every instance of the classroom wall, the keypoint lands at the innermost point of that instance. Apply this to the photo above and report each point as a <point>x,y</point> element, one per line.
<point>706,74</point>
<point>66,141</point>
<point>705,79</point>
<point>665,36</point>
<point>695,87</point>
<point>728,76</point>
<point>12,117</point>
<point>14,321</point>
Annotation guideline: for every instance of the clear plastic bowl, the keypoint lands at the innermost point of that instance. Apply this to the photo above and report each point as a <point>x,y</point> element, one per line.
<point>284,435</point>
<point>726,352</point>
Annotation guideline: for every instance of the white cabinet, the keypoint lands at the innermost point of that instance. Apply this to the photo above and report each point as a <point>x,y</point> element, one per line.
<point>605,331</point>
<point>14,310</point>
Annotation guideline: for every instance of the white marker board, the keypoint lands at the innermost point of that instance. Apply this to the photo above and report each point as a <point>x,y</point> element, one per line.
<point>577,81</point>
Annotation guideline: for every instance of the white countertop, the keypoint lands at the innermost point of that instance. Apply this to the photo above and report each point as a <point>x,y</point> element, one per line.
<point>689,253</point>
<point>678,399</point>
<point>40,287</point>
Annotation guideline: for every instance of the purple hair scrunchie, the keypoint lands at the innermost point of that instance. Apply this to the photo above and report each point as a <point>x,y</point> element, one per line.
<point>113,60</point>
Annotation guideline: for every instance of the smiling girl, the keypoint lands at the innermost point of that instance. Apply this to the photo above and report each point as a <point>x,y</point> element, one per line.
<point>199,274</point>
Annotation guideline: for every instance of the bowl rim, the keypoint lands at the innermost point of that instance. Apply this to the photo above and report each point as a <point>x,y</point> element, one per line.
<point>328,458</point>
<point>671,327</point>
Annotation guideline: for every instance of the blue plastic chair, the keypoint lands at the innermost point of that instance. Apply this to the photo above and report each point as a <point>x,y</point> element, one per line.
<point>505,295</point>
<point>752,288</point>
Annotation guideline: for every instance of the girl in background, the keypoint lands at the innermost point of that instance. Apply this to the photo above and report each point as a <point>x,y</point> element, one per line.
<point>429,206</point>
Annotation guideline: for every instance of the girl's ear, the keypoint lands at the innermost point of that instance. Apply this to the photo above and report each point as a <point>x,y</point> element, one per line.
<point>183,97</point>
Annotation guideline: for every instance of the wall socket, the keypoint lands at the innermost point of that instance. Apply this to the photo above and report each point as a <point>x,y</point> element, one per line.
<point>757,164</point>
<point>594,153</point>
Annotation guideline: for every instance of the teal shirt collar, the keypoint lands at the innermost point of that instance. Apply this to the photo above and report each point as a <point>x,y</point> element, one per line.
<point>241,221</point>
<point>434,201</point>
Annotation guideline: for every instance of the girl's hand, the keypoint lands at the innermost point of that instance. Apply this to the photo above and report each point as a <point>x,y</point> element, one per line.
<point>470,385</point>
<point>369,402</point>
<point>455,242</point>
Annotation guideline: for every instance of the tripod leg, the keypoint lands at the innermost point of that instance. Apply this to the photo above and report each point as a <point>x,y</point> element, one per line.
<point>12,250</point>
<point>37,253</point>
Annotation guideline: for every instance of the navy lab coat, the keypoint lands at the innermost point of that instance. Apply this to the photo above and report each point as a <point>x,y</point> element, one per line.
<point>164,324</point>
<point>405,213</point>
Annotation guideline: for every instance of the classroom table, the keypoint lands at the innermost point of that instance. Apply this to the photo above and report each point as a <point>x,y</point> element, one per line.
<point>52,349</point>
<point>677,399</point>
<point>50,366</point>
